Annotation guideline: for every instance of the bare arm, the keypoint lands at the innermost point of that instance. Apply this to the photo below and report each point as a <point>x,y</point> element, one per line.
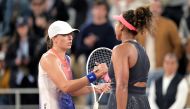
<point>104,87</point>
<point>121,69</point>
<point>51,65</point>
<point>82,91</point>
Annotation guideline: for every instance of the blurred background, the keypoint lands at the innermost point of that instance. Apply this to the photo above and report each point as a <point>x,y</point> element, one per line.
<point>23,32</point>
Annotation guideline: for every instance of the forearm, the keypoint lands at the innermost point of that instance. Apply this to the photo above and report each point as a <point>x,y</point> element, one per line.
<point>83,91</point>
<point>74,85</point>
<point>121,97</point>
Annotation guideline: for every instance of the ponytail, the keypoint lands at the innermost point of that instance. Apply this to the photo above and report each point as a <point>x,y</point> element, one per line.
<point>49,42</point>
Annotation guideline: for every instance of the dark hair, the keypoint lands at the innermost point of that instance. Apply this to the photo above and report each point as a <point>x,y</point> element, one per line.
<point>49,42</point>
<point>101,2</point>
<point>140,18</point>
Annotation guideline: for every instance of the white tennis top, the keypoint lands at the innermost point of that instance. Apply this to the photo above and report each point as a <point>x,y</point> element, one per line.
<point>48,91</point>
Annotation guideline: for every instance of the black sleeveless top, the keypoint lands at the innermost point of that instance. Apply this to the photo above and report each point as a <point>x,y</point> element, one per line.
<point>138,73</point>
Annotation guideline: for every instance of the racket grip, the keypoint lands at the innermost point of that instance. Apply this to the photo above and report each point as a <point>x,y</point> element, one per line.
<point>91,77</point>
<point>106,78</point>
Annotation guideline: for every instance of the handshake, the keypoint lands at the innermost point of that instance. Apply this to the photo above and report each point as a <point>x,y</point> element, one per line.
<point>101,71</point>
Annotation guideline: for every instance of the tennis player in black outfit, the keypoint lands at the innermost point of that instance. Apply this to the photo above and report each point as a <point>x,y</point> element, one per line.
<point>130,63</point>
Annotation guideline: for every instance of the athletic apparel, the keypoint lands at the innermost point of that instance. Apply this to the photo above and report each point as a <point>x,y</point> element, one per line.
<point>50,96</point>
<point>137,98</point>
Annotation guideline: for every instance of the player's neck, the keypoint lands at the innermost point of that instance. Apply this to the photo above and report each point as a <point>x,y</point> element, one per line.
<point>126,37</point>
<point>59,51</point>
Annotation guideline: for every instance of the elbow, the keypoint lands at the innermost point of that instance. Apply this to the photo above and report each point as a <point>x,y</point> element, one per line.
<point>69,91</point>
<point>65,89</point>
<point>122,87</point>
<point>73,94</point>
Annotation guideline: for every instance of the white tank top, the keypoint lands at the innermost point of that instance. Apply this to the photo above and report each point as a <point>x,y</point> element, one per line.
<point>48,91</point>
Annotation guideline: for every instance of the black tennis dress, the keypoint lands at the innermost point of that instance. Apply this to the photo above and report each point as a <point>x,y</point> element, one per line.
<point>137,98</point>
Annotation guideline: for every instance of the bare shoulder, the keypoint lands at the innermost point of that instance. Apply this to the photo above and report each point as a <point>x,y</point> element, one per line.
<point>47,59</point>
<point>122,49</point>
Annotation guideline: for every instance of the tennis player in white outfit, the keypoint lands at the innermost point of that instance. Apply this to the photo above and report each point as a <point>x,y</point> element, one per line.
<point>55,82</point>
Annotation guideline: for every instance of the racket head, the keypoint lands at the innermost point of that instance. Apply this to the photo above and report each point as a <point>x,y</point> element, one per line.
<point>99,55</point>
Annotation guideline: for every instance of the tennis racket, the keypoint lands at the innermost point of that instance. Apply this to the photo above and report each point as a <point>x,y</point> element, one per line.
<point>99,55</point>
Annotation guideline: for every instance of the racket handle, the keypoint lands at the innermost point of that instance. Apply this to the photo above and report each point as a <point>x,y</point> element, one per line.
<point>106,78</point>
<point>96,105</point>
<point>100,96</point>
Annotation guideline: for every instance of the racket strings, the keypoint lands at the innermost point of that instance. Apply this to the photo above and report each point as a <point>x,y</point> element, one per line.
<point>100,56</point>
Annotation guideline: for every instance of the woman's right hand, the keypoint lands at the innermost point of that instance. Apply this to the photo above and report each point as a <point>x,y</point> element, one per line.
<point>102,87</point>
<point>100,70</point>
